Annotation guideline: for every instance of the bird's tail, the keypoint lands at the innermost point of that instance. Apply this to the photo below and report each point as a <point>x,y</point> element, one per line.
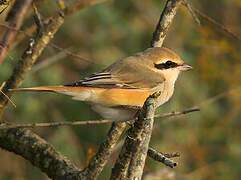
<point>42,88</point>
<point>78,92</point>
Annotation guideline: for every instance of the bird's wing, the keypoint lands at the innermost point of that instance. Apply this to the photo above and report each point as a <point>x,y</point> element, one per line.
<point>98,80</point>
<point>123,75</point>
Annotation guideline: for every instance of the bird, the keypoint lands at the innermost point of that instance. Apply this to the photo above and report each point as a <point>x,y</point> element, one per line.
<point>119,91</point>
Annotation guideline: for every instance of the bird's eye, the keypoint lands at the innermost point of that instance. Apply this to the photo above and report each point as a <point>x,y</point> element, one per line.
<point>170,63</point>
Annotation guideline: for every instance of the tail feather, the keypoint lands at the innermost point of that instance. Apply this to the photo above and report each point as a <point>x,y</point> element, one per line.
<point>80,93</point>
<point>42,88</point>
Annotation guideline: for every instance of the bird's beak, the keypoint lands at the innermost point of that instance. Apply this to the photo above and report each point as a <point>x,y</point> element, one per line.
<point>185,67</point>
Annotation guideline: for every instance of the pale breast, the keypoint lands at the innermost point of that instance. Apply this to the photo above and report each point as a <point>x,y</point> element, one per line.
<point>166,92</point>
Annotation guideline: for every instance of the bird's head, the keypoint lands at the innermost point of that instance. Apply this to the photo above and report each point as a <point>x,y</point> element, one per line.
<point>166,62</point>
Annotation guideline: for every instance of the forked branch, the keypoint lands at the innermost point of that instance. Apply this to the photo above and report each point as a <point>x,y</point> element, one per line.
<point>132,157</point>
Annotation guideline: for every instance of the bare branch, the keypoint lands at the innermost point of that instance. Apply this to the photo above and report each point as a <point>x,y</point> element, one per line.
<point>160,157</point>
<point>189,7</point>
<point>14,29</point>
<point>48,61</point>
<point>40,153</point>
<point>2,85</point>
<point>211,20</point>
<point>97,163</point>
<point>66,51</point>
<point>16,22</point>
<point>36,46</point>
<point>37,16</point>
<point>170,155</point>
<point>193,11</point>
<point>134,140</point>
<point>176,113</point>
<point>221,95</point>
<point>131,161</point>
<point>24,142</point>
<point>78,5</point>
<point>53,124</point>
<point>67,11</point>
<point>76,123</point>
<point>164,23</point>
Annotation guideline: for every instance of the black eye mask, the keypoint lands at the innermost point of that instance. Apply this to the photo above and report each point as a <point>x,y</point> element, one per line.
<point>168,64</point>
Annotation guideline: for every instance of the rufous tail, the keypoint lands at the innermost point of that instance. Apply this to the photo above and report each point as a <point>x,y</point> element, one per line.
<point>80,93</point>
<point>47,88</point>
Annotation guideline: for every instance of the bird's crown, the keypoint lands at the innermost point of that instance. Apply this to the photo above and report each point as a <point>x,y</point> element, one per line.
<point>162,58</point>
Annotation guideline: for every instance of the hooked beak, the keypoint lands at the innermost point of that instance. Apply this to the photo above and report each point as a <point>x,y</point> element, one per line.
<point>185,67</point>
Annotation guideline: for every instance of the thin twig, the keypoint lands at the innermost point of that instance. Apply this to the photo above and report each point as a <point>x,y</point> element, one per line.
<point>54,124</point>
<point>67,11</point>
<point>48,61</point>
<point>16,22</point>
<point>176,113</point>
<point>218,96</point>
<point>211,20</point>
<point>14,29</point>
<point>37,17</point>
<point>34,50</point>
<point>71,53</point>
<point>66,51</point>
<point>3,84</point>
<point>74,7</point>
<point>76,123</point>
<point>157,156</point>
<point>3,47</point>
<point>189,7</point>
<point>195,11</point>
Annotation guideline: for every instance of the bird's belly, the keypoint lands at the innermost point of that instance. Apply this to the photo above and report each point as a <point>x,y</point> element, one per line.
<point>114,113</point>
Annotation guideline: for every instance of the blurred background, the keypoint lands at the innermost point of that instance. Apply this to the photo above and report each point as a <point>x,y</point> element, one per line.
<point>209,141</point>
